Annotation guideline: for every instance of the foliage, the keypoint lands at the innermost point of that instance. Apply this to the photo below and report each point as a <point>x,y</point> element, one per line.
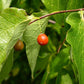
<point>37,64</point>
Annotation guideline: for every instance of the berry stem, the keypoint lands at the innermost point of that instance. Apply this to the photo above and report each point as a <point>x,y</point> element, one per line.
<point>57,12</point>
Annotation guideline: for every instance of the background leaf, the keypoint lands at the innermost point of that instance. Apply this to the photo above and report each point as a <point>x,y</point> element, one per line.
<point>59,62</point>
<point>56,5</point>
<point>76,40</point>
<point>63,78</point>
<point>74,4</point>
<point>7,67</point>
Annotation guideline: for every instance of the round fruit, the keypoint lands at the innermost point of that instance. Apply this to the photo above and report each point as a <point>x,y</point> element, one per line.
<point>42,39</point>
<point>19,45</point>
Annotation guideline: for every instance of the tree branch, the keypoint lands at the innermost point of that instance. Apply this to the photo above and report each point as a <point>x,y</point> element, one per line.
<point>64,11</point>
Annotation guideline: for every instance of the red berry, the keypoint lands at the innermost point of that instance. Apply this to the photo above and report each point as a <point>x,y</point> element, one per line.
<point>19,45</point>
<point>42,39</point>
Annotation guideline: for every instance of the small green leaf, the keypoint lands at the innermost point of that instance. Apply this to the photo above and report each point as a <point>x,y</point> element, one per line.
<point>30,38</point>
<point>75,37</point>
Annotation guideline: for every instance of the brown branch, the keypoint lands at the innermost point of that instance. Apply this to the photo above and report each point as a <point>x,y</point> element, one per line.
<point>61,45</point>
<point>64,11</point>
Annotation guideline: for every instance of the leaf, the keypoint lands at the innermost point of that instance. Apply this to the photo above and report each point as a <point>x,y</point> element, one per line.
<point>56,5</point>
<point>75,37</point>
<point>12,25</point>
<point>4,4</point>
<point>44,79</point>
<point>63,78</point>
<point>42,62</point>
<point>6,67</point>
<point>78,4</point>
<point>34,4</point>
<point>30,38</point>
<point>60,60</point>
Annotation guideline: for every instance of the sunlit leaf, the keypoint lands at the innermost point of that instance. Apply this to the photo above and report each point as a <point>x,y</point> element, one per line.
<point>13,23</point>
<point>76,40</point>
<point>30,38</point>
<point>4,4</point>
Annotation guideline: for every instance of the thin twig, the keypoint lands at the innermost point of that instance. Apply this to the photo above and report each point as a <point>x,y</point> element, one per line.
<point>61,45</point>
<point>64,11</point>
<point>52,21</point>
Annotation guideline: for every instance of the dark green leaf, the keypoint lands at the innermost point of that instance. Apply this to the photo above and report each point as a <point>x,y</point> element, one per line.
<point>60,60</point>
<point>63,78</point>
<point>6,67</point>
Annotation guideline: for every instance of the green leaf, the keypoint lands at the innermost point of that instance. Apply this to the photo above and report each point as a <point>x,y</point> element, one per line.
<point>75,37</point>
<point>6,67</point>
<point>44,79</point>
<point>56,5</point>
<point>63,78</point>
<point>34,4</point>
<point>59,62</point>
<point>12,25</point>
<point>74,4</point>
<point>4,4</point>
<point>30,38</point>
<point>42,62</point>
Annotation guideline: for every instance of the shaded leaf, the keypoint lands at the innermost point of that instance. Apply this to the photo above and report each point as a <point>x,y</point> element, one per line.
<point>63,78</point>
<point>60,60</point>
<point>42,62</point>
<point>7,67</point>
<point>44,79</point>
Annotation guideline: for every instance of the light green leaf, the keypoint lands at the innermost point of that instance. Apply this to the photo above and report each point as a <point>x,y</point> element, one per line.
<point>58,5</point>
<point>75,37</point>
<point>30,38</point>
<point>12,25</point>
<point>4,4</point>
<point>6,67</point>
